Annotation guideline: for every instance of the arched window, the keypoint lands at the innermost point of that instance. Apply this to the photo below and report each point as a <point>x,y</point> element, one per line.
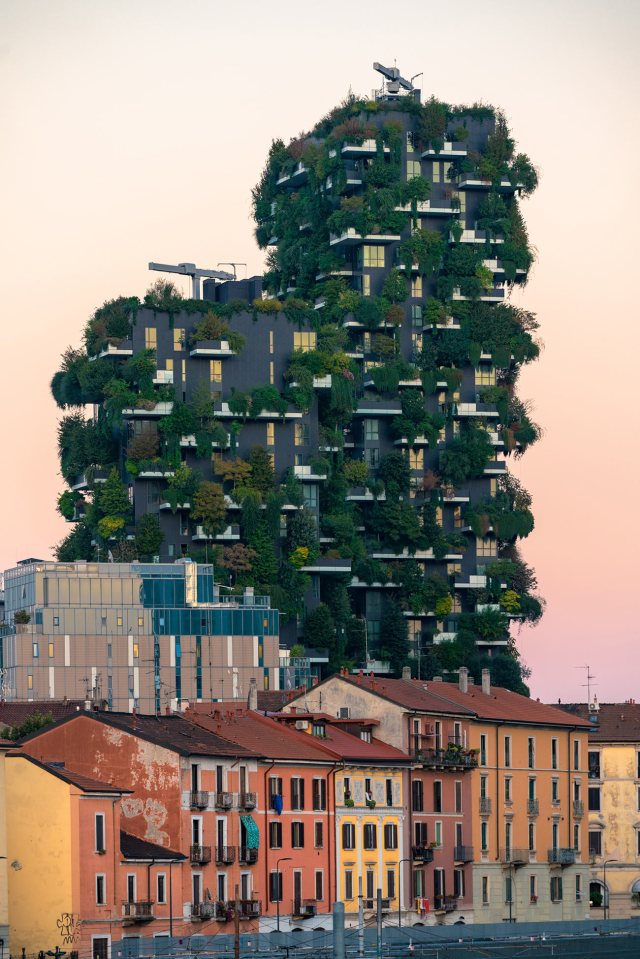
<point>596,893</point>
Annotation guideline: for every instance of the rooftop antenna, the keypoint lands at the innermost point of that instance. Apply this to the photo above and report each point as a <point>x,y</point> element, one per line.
<point>234,265</point>
<point>196,273</point>
<point>590,676</point>
<point>394,81</point>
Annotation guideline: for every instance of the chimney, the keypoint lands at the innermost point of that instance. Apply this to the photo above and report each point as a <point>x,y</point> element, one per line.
<point>463,679</point>
<point>406,672</point>
<point>252,699</point>
<point>470,681</point>
<point>486,682</point>
<point>437,679</point>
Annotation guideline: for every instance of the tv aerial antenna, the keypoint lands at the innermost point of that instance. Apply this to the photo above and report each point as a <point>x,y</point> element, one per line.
<point>587,685</point>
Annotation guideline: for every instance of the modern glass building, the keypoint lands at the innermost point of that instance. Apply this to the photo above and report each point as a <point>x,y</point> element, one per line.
<point>133,635</point>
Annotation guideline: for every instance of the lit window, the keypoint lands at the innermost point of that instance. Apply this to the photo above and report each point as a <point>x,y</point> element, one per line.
<point>150,338</point>
<point>371,430</point>
<point>50,650</point>
<point>457,517</point>
<point>215,371</point>
<point>119,620</point>
<point>366,285</point>
<point>29,681</point>
<point>485,375</point>
<point>271,434</point>
<point>413,168</point>
<point>136,651</point>
<point>300,434</point>
<point>416,459</point>
<point>304,341</point>
<point>272,374</point>
<point>178,339</point>
<point>416,286</point>
<point>486,546</point>
<point>169,365</point>
<point>373,256</point>
<point>435,172</point>
<point>271,341</point>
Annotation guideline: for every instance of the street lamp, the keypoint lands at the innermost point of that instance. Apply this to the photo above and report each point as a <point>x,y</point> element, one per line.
<point>279,881</point>
<point>606,891</point>
<point>400,890</point>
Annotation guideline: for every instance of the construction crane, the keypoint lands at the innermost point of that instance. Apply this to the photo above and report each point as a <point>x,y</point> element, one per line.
<point>394,80</point>
<point>196,274</point>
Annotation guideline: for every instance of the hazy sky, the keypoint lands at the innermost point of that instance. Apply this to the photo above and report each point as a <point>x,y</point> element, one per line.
<point>133,130</point>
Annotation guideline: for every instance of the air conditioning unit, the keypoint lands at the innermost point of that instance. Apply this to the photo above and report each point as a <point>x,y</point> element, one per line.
<point>302,723</point>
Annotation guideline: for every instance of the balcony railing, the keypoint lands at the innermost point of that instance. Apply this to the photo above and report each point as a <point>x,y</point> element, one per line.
<point>445,903</point>
<point>533,807</point>
<point>422,853</point>
<point>200,855</point>
<point>463,853</point>
<point>578,808</point>
<point>199,800</point>
<point>248,800</point>
<point>248,856</point>
<point>305,908</point>
<point>485,806</point>
<point>209,910</point>
<point>453,758</point>
<point>250,908</point>
<point>224,800</point>
<point>137,911</point>
<point>514,857</point>
<point>562,857</point>
<point>225,854</point>
<point>371,904</point>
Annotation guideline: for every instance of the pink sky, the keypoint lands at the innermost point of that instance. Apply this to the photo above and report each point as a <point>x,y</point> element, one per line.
<point>135,131</point>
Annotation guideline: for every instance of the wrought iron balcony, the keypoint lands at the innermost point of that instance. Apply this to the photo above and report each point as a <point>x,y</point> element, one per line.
<point>225,855</point>
<point>250,908</point>
<point>248,856</point>
<point>200,855</point>
<point>445,903</point>
<point>454,757</point>
<point>422,853</point>
<point>209,910</point>
<point>305,908</point>
<point>562,857</point>
<point>372,904</point>
<point>485,806</point>
<point>578,808</point>
<point>463,853</point>
<point>248,800</point>
<point>224,800</point>
<point>514,857</point>
<point>199,800</point>
<point>533,807</point>
<point>137,911</point>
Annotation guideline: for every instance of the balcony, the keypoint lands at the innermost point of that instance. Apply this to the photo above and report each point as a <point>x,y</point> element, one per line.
<point>463,853</point>
<point>514,857</point>
<point>561,857</point>
<point>163,377</point>
<point>308,474</point>
<point>422,853</point>
<point>250,908</point>
<point>212,348</point>
<point>328,566</point>
<point>209,910</point>
<point>578,809</point>
<point>248,800</point>
<point>124,348</point>
<point>305,908</point>
<point>199,800</point>
<point>493,295</point>
<point>452,758</point>
<point>137,911</point>
<point>368,148</point>
<point>200,855</point>
<point>248,857</point>
<point>371,904</point>
<point>533,807</point>
<point>445,903</point>
<point>225,855</point>
<point>485,806</point>
<point>350,238</point>
<point>224,800</point>
<point>153,412</point>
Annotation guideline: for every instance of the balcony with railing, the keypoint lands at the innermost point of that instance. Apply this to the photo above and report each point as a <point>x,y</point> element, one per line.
<point>561,857</point>
<point>250,908</point>
<point>248,856</point>
<point>209,910</point>
<point>200,855</point>
<point>422,853</point>
<point>371,904</point>
<point>463,853</point>
<point>533,807</point>
<point>514,857</point>
<point>199,799</point>
<point>224,800</point>
<point>445,903</point>
<point>247,800</point>
<point>225,855</point>
<point>141,911</point>
<point>453,757</point>
<point>485,806</point>
<point>305,908</point>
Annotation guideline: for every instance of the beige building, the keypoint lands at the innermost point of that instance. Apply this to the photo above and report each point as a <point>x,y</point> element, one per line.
<point>133,635</point>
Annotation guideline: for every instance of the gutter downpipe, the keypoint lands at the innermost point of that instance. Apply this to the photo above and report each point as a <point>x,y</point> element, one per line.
<point>266,830</point>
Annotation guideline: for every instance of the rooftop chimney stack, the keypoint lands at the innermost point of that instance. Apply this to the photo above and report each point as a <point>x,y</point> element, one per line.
<point>406,672</point>
<point>486,682</point>
<point>463,679</point>
<point>252,698</point>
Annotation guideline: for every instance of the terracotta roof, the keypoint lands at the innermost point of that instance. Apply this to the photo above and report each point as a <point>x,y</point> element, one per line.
<point>351,747</point>
<point>272,700</point>
<point>617,722</point>
<point>14,714</point>
<point>174,732</point>
<point>503,705</point>
<point>414,696</point>
<point>261,734</point>
<point>133,848</point>
<point>59,770</point>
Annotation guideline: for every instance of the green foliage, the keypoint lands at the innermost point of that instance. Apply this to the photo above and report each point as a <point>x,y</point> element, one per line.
<point>395,288</point>
<point>32,724</point>
<point>319,631</point>
<point>78,544</point>
<point>355,472</point>
<point>180,422</point>
<point>395,473</point>
<point>424,247</point>
<point>262,476</point>
<point>149,537</point>
<point>208,507</point>
<point>393,637</point>
<point>466,456</point>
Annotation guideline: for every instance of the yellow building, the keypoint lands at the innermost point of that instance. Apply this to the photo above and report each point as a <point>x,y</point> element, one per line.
<point>5,745</point>
<point>613,804</point>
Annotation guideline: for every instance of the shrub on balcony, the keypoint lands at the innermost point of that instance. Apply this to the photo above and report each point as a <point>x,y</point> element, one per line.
<point>209,508</point>
<point>149,537</point>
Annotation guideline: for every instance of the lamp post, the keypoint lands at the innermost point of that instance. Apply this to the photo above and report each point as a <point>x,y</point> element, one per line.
<point>279,881</point>
<point>606,891</point>
<point>400,890</point>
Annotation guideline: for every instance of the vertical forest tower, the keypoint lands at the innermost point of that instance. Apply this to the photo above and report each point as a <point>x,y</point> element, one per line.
<point>339,438</point>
